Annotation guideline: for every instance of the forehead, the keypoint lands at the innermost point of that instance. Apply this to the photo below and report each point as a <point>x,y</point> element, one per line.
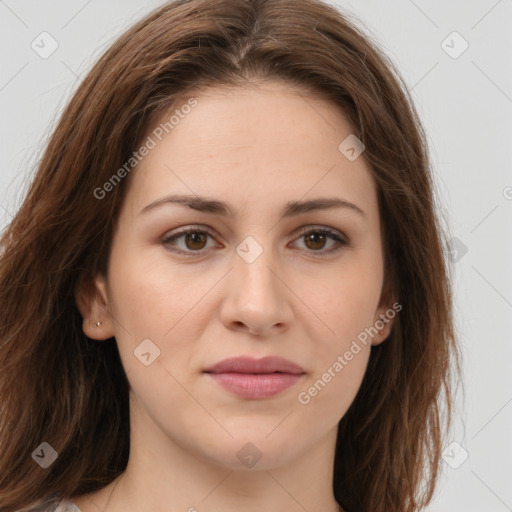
<point>262,143</point>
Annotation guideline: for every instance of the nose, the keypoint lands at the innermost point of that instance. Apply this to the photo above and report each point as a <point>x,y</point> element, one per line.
<point>257,298</point>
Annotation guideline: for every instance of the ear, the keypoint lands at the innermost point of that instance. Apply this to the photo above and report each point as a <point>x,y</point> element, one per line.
<point>385,316</point>
<point>92,301</point>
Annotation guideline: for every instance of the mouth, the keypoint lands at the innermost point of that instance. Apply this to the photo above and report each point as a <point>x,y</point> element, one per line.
<point>255,378</point>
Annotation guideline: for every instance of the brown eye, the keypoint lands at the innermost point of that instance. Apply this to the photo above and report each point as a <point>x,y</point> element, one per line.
<point>315,240</point>
<point>195,240</point>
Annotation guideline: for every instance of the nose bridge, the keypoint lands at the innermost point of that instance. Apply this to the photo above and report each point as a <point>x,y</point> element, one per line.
<point>256,297</point>
<point>254,263</point>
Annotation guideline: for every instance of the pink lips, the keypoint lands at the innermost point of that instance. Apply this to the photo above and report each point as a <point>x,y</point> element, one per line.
<point>255,378</point>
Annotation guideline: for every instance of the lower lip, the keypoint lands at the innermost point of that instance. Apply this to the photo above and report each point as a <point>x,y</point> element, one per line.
<point>250,385</point>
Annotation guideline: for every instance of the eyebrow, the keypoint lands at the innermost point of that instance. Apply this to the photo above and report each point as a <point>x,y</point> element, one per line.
<point>291,209</point>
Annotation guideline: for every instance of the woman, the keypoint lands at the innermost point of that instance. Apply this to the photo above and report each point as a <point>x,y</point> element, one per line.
<point>226,287</point>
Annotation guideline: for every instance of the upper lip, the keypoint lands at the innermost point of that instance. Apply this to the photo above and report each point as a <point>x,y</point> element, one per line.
<point>244,364</point>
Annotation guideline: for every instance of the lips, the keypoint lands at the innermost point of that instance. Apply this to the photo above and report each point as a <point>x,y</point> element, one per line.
<point>252,378</point>
<point>269,364</point>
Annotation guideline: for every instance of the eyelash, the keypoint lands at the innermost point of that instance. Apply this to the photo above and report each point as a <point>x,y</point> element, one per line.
<point>305,231</point>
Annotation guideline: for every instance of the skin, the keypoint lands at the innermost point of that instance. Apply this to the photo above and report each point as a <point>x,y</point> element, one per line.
<point>255,148</point>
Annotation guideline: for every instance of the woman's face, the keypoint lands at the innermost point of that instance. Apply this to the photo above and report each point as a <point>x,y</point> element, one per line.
<point>256,277</point>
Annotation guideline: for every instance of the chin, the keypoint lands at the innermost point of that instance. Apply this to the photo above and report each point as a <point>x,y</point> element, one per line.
<point>251,449</point>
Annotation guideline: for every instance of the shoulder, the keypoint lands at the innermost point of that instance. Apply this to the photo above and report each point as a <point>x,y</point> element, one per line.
<point>63,505</point>
<point>66,506</point>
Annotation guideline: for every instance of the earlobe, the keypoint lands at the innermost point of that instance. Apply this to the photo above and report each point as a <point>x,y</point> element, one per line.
<point>383,323</point>
<point>97,330</point>
<point>382,334</point>
<point>386,312</point>
<point>92,301</point>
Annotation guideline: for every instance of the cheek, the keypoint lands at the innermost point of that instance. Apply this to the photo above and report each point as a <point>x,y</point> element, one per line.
<point>340,358</point>
<point>331,391</point>
<point>346,309</point>
<point>150,294</point>
<point>153,300</point>
<point>345,305</point>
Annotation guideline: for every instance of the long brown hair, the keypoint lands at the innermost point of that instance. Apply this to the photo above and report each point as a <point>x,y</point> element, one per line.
<point>59,387</point>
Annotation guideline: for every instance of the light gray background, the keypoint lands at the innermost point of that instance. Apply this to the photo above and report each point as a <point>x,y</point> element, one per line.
<point>466,105</point>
